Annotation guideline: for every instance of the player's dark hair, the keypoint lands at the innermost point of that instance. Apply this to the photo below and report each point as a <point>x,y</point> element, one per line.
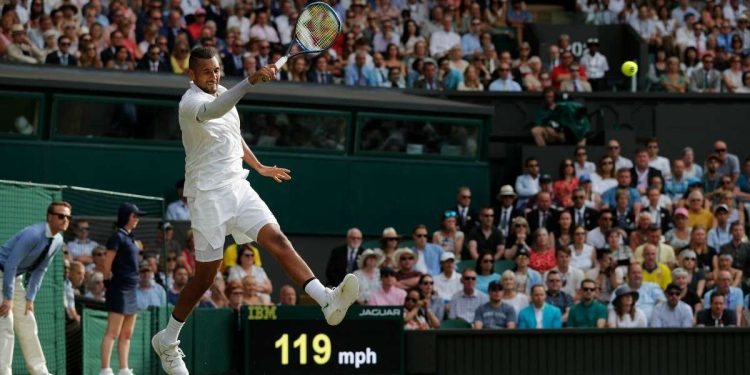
<point>200,53</point>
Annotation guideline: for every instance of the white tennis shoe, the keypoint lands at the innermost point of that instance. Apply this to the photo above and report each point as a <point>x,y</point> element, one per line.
<point>340,298</point>
<point>171,355</point>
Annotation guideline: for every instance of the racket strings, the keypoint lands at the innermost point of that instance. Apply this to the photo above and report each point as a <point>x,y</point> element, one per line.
<point>317,28</point>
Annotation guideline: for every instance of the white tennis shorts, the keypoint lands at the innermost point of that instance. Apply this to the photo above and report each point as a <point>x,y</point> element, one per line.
<point>234,209</point>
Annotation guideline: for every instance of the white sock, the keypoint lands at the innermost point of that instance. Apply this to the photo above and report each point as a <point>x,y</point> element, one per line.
<point>317,291</point>
<point>172,332</point>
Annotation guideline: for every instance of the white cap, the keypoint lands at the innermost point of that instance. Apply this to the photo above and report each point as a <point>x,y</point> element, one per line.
<point>446,256</point>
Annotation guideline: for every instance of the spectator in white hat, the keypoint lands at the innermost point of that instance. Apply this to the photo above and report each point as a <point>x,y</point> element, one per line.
<point>448,281</point>
<point>21,49</point>
<point>505,213</point>
<point>368,273</point>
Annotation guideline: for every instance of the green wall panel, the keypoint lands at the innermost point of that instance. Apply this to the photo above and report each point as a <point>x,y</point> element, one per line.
<point>327,194</point>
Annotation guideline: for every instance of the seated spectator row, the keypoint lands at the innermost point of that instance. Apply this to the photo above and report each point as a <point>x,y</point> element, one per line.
<point>459,45</point>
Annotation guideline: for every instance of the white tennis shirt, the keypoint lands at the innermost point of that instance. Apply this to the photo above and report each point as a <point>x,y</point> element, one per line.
<point>213,148</point>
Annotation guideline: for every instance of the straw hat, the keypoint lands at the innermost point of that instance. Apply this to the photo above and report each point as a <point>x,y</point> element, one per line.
<point>390,232</point>
<point>506,191</point>
<point>404,251</point>
<point>379,257</point>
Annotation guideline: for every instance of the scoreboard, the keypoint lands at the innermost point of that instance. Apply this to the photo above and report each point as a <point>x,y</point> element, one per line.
<point>297,340</point>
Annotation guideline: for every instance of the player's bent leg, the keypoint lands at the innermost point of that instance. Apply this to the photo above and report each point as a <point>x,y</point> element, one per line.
<point>334,302</point>
<point>275,242</point>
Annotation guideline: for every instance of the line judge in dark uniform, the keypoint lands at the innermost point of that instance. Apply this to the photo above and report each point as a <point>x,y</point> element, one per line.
<point>29,252</point>
<point>121,269</point>
<point>343,259</point>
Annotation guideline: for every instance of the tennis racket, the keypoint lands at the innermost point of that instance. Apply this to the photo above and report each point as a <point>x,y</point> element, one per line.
<point>316,30</point>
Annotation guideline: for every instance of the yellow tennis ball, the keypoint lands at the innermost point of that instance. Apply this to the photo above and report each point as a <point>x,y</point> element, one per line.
<point>629,68</point>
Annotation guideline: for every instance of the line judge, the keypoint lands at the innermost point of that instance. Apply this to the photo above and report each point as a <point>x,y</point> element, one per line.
<point>29,252</point>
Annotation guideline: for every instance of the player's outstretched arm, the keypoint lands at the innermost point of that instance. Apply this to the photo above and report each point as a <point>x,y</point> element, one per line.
<point>227,100</point>
<point>277,173</point>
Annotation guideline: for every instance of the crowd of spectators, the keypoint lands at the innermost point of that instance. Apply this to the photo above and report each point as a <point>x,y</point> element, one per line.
<point>694,46</point>
<point>651,242</point>
<point>404,43</point>
<point>432,45</point>
<point>242,280</point>
<point>656,241</point>
<point>619,243</point>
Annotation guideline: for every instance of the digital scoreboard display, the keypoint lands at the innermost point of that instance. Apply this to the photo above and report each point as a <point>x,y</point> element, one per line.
<point>297,340</point>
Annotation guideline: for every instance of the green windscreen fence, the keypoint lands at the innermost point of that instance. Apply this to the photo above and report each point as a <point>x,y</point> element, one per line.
<point>141,358</point>
<point>22,205</point>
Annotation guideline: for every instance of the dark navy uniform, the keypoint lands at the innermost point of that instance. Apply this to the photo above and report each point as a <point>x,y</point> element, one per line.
<point>121,292</point>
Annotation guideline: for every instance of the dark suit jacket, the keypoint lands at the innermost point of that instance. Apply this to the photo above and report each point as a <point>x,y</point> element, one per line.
<point>629,223</point>
<point>312,76</point>
<point>230,68</point>
<point>471,221</point>
<point>422,84</point>
<point>728,318</point>
<point>651,173</point>
<point>514,213</point>
<point>220,16</point>
<point>109,54</point>
<point>665,219</point>
<point>54,58</point>
<point>336,268</point>
<point>590,217</point>
<point>171,36</point>
<point>551,225</point>
<point>144,65</point>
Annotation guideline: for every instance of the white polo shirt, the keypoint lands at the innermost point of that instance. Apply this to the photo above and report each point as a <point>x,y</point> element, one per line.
<point>213,149</point>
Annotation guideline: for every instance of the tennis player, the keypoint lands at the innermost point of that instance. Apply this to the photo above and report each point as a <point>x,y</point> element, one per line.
<point>222,202</point>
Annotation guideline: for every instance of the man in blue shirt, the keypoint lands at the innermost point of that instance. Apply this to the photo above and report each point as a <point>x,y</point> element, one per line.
<point>609,198</point>
<point>470,41</point>
<point>149,293</point>
<point>28,252</point>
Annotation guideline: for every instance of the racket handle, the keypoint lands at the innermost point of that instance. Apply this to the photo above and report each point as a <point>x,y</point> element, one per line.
<point>280,62</point>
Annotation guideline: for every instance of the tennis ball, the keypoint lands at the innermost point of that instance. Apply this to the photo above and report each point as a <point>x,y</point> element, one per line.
<point>629,68</point>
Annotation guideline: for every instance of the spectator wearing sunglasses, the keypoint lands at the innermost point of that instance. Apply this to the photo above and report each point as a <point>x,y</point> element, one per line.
<point>28,252</point>
<point>82,246</point>
<point>427,254</point>
<point>495,314</point>
<point>468,218</point>
<point>486,238</point>
<point>154,63</point>
<point>588,313</point>
<point>730,163</point>
<point>388,294</point>
<point>416,314</point>
<point>465,302</point>
<point>449,236</point>
<point>407,274</point>
<point>149,293</point>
